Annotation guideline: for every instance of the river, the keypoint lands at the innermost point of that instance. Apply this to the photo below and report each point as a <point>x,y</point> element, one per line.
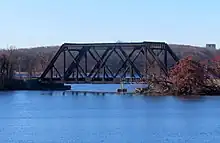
<point>62,117</point>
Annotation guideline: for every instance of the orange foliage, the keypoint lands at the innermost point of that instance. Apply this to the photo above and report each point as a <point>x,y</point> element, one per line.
<point>187,76</point>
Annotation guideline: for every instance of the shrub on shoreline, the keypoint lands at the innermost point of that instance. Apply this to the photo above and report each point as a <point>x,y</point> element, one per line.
<point>187,77</point>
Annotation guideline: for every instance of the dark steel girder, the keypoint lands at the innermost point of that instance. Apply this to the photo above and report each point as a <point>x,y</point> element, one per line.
<point>100,62</point>
<point>100,59</point>
<point>75,63</point>
<point>84,50</point>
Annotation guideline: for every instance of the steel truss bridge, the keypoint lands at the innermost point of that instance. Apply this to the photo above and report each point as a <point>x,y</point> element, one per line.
<point>108,62</point>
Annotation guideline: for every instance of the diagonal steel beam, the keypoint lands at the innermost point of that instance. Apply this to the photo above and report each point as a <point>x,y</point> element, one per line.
<point>157,55</point>
<point>74,60</point>
<point>57,72</point>
<point>97,65</point>
<point>129,60</point>
<point>105,65</point>
<point>136,56</point>
<point>148,59</point>
<point>167,47</point>
<point>100,58</point>
<point>54,59</point>
<point>160,64</point>
<point>124,63</point>
<point>102,64</point>
<point>119,55</point>
<point>74,64</point>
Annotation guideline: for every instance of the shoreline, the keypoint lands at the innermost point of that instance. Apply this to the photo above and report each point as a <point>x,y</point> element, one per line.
<point>35,85</point>
<point>113,92</point>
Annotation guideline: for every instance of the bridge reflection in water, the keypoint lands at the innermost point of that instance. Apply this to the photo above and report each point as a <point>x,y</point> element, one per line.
<point>95,89</point>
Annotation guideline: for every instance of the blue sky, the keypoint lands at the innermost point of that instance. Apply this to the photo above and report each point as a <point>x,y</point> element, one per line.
<point>29,23</point>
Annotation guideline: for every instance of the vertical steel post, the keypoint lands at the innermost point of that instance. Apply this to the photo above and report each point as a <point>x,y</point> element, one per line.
<point>77,72</point>
<point>104,70</point>
<point>86,66</point>
<point>51,73</point>
<point>165,57</point>
<point>145,62</point>
<point>64,62</point>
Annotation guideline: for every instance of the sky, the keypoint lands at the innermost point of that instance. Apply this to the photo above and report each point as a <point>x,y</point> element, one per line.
<point>31,23</point>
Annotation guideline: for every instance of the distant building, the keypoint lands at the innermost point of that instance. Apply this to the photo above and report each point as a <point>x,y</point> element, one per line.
<point>211,46</point>
<point>26,74</point>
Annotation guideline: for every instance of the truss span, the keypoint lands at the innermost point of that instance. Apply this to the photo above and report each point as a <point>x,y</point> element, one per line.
<point>108,62</point>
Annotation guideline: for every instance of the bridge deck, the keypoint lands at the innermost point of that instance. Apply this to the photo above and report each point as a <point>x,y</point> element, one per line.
<point>90,80</point>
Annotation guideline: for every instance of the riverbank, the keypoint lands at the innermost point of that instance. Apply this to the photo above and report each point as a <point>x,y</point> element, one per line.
<point>164,88</point>
<point>15,84</point>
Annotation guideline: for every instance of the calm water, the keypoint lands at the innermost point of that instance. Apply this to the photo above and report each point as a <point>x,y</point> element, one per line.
<point>57,117</point>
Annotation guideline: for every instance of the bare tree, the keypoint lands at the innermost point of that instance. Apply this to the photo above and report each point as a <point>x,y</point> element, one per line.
<point>6,66</point>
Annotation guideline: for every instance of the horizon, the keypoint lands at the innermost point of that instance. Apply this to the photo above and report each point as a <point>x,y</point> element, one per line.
<point>58,45</point>
<point>42,23</point>
<point>49,46</point>
<point>179,44</point>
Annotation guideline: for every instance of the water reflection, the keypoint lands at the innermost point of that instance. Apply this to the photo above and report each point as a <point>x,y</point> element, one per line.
<point>146,98</point>
<point>58,116</point>
<point>191,98</point>
<point>76,93</point>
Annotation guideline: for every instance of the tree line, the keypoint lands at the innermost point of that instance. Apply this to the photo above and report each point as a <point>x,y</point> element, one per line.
<point>33,60</point>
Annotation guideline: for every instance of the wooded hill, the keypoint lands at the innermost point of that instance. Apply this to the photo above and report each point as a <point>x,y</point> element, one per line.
<point>36,59</point>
